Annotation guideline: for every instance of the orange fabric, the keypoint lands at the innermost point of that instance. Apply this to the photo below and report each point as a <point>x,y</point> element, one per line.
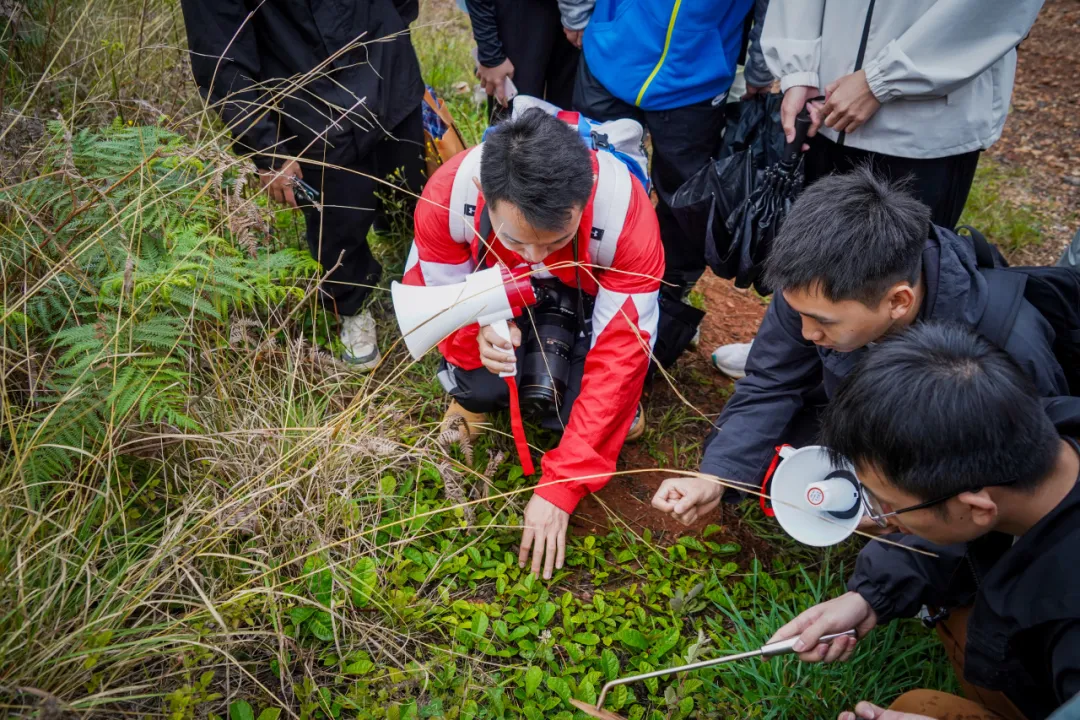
<point>941,706</point>
<point>953,634</point>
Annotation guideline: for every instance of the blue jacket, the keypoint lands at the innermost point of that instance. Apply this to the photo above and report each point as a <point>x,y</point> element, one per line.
<point>784,370</point>
<point>664,54</point>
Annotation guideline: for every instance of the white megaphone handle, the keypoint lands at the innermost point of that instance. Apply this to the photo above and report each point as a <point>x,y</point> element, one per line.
<point>502,329</point>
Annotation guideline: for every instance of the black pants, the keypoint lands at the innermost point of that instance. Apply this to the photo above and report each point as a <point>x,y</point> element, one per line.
<point>683,141</point>
<point>942,183</point>
<point>349,207</point>
<point>545,62</point>
<point>483,391</point>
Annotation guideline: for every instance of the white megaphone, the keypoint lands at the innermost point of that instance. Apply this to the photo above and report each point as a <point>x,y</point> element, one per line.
<point>815,502</point>
<point>426,315</point>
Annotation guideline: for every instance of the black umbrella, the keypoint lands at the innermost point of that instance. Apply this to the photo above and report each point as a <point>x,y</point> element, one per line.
<point>757,219</point>
<point>737,201</point>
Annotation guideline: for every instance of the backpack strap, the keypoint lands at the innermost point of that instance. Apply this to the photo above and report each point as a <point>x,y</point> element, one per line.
<point>984,251</point>
<point>463,196</point>
<point>610,203</point>
<point>1005,293</point>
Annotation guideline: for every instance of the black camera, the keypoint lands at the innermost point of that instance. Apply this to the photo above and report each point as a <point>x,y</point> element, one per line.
<point>554,322</point>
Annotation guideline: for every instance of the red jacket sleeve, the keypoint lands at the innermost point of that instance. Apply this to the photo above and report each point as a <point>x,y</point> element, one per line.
<point>437,259</point>
<point>625,319</point>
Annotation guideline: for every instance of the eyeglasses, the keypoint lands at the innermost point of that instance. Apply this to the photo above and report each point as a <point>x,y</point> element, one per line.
<point>880,513</point>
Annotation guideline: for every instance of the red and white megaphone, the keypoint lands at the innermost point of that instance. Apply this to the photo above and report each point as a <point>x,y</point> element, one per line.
<point>815,502</point>
<point>488,297</point>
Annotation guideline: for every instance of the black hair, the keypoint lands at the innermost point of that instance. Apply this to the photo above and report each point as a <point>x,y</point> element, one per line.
<point>938,410</point>
<point>539,164</point>
<point>851,237</point>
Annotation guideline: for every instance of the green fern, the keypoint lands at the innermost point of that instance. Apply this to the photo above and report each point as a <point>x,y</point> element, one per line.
<point>130,266</point>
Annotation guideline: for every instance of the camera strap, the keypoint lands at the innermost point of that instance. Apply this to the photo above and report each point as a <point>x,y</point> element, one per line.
<point>517,425</point>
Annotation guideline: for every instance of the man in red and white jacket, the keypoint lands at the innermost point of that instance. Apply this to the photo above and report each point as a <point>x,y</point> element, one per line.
<point>529,197</point>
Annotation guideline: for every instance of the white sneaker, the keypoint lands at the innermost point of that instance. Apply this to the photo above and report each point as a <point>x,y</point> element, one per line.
<point>696,340</point>
<point>361,343</point>
<point>731,359</point>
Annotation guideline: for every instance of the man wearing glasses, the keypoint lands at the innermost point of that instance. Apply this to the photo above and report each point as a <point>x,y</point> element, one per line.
<point>954,449</point>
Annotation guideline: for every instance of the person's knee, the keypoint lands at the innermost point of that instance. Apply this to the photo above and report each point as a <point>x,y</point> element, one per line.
<point>477,391</point>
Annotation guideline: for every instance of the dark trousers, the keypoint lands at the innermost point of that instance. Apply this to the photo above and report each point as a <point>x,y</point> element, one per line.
<point>482,391</point>
<point>545,62</point>
<point>683,141</point>
<point>942,183</point>
<point>349,207</point>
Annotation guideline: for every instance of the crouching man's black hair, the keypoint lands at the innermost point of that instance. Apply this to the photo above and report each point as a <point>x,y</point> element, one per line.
<point>938,410</point>
<point>539,164</point>
<point>850,237</point>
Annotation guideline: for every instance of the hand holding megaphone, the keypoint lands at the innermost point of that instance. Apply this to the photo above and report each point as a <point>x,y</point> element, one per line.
<point>489,297</point>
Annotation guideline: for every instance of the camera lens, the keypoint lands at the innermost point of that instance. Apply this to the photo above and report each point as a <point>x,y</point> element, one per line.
<point>545,367</point>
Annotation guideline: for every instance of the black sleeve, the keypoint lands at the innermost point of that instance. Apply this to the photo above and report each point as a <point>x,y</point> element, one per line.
<point>1064,652</point>
<point>781,370</point>
<point>225,63</point>
<point>409,10</point>
<point>897,582</point>
<point>485,30</point>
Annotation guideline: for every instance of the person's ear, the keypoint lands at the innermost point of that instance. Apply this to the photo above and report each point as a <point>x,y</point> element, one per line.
<point>981,507</point>
<point>901,298</point>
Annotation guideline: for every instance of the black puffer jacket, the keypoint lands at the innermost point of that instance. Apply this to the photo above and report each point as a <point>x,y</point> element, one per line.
<point>1023,634</point>
<point>324,79</point>
<point>784,369</point>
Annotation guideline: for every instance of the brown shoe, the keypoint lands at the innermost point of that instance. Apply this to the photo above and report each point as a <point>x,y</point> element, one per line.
<point>475,424</point>
<point>637,429</point>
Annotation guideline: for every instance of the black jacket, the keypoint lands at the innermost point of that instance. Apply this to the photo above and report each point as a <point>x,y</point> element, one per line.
<point>1023,635</point>
<point>266,66</point>
<point>784,369</point>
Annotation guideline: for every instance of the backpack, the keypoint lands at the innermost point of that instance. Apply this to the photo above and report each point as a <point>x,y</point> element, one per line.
<point>1054,291</point>
<point>623,138</point>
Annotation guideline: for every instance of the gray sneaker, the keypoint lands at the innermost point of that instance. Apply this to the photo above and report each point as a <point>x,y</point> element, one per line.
<point>731,359</point>
<point>361,343</point>
<point>1071,256</point>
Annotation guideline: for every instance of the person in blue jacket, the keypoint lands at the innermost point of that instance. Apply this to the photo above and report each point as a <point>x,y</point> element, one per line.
<point>668,64</point>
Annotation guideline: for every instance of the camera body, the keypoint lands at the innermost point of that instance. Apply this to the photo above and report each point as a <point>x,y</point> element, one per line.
<point>555,324</point>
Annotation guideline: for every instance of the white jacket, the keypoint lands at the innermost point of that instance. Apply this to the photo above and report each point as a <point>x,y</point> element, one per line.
<point>942,69</point>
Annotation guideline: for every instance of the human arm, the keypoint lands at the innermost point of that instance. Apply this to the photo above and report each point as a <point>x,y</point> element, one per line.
<point>576,13</point>
<point>896,581</point>
<point>489,48</point>
<point>781,370</point>
<point>436,258</point>
<point>951,43</point>
<point>624,322</point>
<point>791,42</point>
<point>757,74</point>
<point>225,64</point>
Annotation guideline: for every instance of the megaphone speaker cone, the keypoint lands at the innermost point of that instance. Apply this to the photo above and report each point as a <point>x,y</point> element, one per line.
<point>815,503</point>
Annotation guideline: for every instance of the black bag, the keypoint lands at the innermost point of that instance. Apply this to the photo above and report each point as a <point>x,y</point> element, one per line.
<point>676,327</point>
<point>1054,291</point>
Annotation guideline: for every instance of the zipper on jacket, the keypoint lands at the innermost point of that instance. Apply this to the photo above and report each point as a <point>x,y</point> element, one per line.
<point>663,55</point>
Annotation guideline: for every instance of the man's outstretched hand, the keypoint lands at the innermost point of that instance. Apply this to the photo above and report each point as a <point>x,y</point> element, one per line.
<point>867,711</point>
<point>847,612</point>
<point>545,534</point>
<point>687,498</point>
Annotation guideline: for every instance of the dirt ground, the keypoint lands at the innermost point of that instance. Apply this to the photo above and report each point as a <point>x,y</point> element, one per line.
<point>734,317</point>
<point>1042,134</point>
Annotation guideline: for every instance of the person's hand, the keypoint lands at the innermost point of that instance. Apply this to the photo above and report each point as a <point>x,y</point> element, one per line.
<point>494,79</point>
<point>687,498</point>
<point>496,354</point>
<point>795,99</point>
<point>866,711</point>
<point>545,533</point>
<point>752,90</point>
<point>277,185</point>
<point>574,36</point>
<point>849,103</point>
<point>847,612</point>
